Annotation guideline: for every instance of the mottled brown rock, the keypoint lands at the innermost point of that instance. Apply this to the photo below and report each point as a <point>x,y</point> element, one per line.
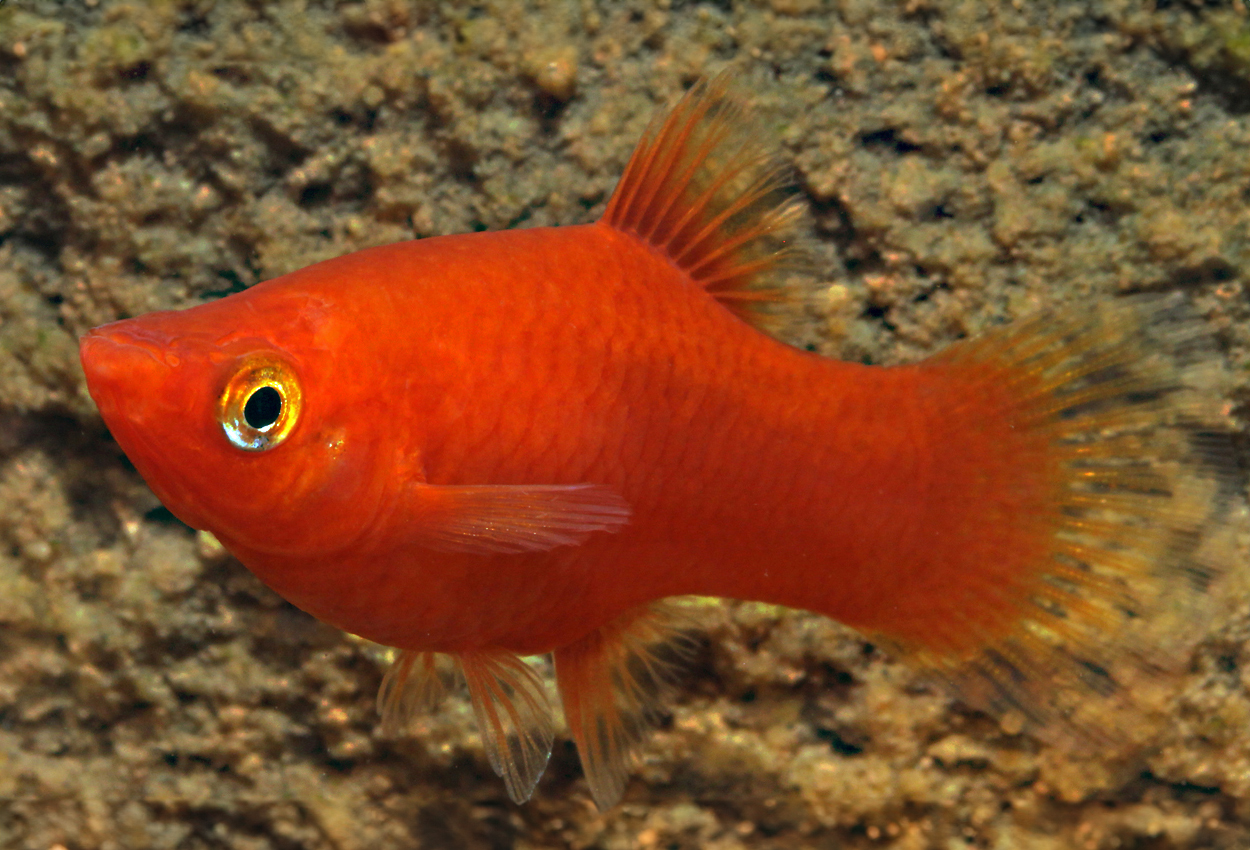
<point>967,161</point>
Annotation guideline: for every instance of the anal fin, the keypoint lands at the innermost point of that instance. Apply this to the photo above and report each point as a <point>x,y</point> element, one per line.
<point>509,703</point>
<point>513,717</point>
<point>612,683</point>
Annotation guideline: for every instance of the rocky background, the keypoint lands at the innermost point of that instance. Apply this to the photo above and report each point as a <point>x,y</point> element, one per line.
<point>965,161</point>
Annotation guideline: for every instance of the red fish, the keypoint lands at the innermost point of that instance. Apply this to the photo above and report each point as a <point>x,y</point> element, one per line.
<point>497,445</point>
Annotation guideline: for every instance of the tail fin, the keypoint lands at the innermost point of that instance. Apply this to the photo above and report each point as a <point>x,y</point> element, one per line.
<point>1145,505</point>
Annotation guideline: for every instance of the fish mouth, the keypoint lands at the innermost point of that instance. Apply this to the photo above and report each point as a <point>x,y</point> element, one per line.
<point>135,385</point>
<point>125,373</point>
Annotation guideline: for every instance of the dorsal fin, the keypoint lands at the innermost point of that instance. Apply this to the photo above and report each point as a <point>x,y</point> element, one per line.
<point>705,187</point>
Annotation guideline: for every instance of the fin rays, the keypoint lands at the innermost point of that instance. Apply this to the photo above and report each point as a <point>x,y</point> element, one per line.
<point>612,684</point>
<point>1143,519</point>
<point>704,188</point>
<point>411,686</point>
<point>513,718</point>
<point>507,519</point>
<point>509,701</point>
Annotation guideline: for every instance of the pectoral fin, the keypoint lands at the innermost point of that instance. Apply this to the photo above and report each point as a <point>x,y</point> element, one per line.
<point>612,684</point>
<point>507,519</point>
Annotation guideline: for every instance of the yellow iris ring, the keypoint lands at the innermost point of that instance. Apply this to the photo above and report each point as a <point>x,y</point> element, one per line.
<point>255,374</point>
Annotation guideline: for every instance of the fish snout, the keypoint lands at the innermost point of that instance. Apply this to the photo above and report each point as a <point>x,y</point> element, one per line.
<point>124,373</point>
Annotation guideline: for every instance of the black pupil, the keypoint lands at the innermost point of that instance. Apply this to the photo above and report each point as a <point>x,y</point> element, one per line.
<point>263,408</point>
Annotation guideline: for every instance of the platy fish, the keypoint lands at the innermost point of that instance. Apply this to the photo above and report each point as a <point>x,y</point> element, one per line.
<point>498,445</point>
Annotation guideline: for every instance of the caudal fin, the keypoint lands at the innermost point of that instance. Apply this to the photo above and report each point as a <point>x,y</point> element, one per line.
<point>1127,502</point>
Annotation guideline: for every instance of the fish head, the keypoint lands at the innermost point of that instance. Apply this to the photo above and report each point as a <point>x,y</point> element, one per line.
<point>243,418</point>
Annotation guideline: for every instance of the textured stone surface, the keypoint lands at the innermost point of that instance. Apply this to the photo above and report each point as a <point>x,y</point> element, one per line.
<point>966,161</point>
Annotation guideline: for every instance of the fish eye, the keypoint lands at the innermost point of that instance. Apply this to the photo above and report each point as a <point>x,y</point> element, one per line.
<point>263,408</point>
<point>260,404</point>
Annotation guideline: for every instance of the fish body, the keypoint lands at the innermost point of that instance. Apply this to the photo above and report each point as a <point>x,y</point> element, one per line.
<point>504,444</point>
<point>566,355</point>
